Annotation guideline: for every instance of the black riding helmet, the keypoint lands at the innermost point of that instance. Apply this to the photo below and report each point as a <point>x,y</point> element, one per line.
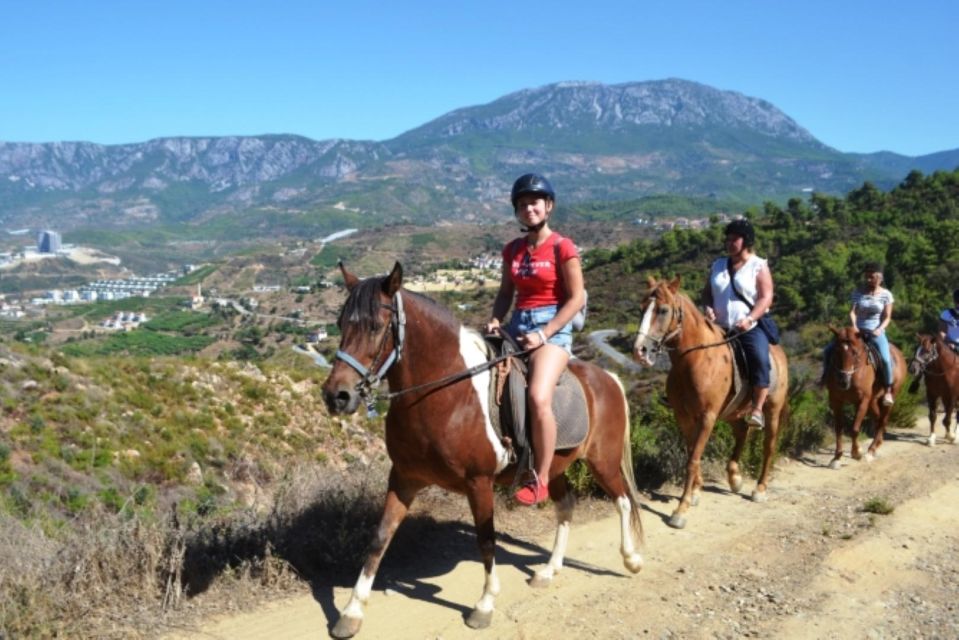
<point>742,228</point>
<point>531,183</point>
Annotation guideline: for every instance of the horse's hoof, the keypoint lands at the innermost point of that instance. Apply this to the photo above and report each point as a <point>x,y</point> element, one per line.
<point>855,455</point>
<point>870,456</point>
<point>677,521</point>
<point>951,439</point>
<point>634,562</point>
<point>736,483</point>
<point>694,500</point>
<point>346,627</point>
<point>541,580</point>
<point>835,464</point>
<point>479,619</point>
<point>759,496</point>
<point>931,440</point>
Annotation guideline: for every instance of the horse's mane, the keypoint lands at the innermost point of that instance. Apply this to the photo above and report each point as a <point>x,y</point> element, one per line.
<point>363,304</point>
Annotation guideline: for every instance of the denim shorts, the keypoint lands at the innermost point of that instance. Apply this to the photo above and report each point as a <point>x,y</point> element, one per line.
<point>529,320</point>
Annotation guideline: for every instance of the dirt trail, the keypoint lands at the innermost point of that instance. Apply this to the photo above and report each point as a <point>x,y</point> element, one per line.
<point>810,563</point>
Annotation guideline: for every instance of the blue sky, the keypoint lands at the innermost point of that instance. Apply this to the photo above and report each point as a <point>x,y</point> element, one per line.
<point>860,76</point>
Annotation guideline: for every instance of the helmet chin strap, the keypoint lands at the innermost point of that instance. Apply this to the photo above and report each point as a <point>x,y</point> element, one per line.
<point>535,227</point>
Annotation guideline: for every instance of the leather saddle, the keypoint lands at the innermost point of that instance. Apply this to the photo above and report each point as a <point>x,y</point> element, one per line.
<point>509,409</point>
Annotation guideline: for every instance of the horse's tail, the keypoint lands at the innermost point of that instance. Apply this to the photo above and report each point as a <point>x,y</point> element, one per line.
<point>629,473</point>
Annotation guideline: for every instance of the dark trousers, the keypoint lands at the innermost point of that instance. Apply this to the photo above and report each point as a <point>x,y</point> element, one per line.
<point>756,347</point>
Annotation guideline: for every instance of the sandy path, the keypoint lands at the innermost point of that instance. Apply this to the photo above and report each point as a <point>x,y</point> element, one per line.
<point>807,564</point>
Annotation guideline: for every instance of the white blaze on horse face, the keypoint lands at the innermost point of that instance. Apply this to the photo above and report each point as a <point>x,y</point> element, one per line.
<point>474,353</point>
<point>643,336</point>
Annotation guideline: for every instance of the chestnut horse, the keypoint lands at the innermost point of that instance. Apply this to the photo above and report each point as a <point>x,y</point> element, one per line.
<point>700,386</point>
<point>852,378</point>
<point>438,428</point>
<point>938,364</point>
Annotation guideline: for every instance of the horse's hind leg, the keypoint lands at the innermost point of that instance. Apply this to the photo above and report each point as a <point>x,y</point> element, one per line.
<point>565,501</point>
<point>399,497</point>
<point>733,474</point>
<point>620,485</point>
<point>770,434</point>
<point>480,495</point>
<point>950,403</point>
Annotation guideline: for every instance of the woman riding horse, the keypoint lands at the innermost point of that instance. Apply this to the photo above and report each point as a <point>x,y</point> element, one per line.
<point>701,387</point>
<point>543,270</point>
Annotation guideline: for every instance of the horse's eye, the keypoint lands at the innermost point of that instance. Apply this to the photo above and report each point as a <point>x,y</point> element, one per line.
<point>662,311</point>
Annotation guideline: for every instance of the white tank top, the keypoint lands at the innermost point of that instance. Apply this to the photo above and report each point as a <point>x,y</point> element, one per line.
<point>727,305</point>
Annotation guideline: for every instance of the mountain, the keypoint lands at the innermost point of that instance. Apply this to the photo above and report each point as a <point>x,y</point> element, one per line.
<point>596,143</point>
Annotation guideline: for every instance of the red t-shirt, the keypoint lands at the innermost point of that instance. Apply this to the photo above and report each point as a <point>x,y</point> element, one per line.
<point>535,274</point>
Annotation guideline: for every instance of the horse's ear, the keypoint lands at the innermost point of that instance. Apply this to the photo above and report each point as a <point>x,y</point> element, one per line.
<point>834,330</point>
<point>651,282</point>
<point>674,285</point>
<point>393,281</point>
<point>348,278</point>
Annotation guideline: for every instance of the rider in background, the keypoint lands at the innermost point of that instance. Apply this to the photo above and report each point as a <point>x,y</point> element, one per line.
<point>871,313</point>
<point>744,272</point>
<point>542,270</point>
<point>949,323</point>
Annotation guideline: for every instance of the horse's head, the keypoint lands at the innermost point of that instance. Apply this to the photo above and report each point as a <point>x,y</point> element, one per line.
<point>927,352</point>
<point>849,355</point>
<point>662,319</point>
<point>370,335</point>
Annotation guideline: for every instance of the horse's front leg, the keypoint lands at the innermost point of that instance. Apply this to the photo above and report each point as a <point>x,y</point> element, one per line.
<point>479,491</point>
<point>697,435</point>
<point>565,501</point>
<point>932,403</point>
<point>950,404</point>
<point>836,408</point>
<point>733,474</point>
<point>881,421</point>
<point>399,497</point>
<point>857,425</point>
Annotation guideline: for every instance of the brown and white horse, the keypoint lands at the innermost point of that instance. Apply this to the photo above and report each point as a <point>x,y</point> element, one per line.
<point>852,378</point>
<point>438,428</point>
<point>700,386</point>
<point>938,365</point>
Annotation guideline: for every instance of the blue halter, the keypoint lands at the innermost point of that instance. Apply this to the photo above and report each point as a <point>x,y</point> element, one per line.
<point>369,380</point>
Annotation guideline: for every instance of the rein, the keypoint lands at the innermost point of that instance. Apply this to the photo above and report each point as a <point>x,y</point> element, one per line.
<point>366,387</point>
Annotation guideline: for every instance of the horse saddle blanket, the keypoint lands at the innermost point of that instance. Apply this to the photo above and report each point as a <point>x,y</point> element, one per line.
<point>742,390</point>
<point>875,359</point>
<point>508,400</point>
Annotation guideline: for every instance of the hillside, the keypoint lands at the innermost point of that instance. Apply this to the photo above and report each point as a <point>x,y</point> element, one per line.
<point>597,142</point>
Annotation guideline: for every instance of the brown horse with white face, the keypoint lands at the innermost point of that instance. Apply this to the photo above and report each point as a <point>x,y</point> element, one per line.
<point>852,378</point>
<point>700,386</point>
<point>938,365</point>
<point>438,428</point>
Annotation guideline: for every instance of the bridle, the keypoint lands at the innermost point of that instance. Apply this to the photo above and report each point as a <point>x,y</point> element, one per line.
<point>660,344</point>
<point>370,379</point>
<point>856,361</point>
<point>930,356</point>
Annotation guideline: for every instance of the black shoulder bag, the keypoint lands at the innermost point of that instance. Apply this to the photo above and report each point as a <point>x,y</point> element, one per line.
<point>766,322</point>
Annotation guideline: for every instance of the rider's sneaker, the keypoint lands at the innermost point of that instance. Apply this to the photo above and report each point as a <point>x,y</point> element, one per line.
<point>887,400</point>
<point>756,420</point>
<point>533,492</point>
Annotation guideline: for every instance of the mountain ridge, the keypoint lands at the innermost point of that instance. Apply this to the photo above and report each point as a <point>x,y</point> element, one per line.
<point>597,142</point>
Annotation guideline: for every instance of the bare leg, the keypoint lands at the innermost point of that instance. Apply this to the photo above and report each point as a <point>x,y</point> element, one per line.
<point>547,364</point>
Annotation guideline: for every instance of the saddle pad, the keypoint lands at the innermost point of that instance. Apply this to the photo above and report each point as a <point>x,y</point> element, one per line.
<point>569,407</point>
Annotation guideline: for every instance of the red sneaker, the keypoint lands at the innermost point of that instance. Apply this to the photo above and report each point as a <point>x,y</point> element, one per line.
<point>532,493</point>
